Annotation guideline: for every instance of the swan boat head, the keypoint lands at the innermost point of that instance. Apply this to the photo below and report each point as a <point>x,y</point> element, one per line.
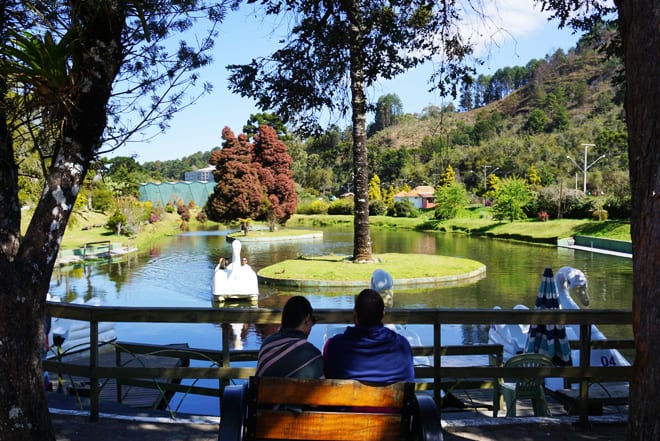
<point>382,282</point>
<point>569,278</point>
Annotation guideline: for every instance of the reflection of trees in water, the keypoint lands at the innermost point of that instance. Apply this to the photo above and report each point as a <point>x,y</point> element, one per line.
<point>118,270</point>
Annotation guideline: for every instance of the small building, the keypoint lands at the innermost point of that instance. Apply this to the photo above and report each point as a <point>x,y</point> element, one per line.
<point>421,197</point>
<point>203,175</point>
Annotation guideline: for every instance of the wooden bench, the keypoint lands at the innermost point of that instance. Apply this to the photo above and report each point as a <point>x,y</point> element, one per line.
<point>306,409</point>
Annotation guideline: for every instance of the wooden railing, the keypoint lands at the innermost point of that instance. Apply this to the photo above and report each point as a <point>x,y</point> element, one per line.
<point>584,374</point>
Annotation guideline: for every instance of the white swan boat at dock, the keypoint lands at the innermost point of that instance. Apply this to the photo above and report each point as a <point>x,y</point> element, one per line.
<point>514,337</point>
<point>68,336</point>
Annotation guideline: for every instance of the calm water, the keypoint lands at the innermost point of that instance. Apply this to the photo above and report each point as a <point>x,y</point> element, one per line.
<point>179,271</point>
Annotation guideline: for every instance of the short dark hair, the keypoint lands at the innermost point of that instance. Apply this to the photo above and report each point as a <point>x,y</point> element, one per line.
<point>295,310</point>
<point>369,307</point>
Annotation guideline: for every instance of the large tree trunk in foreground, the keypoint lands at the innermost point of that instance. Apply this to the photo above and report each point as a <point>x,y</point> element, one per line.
<point>639,24</point>
<point>26,266</point>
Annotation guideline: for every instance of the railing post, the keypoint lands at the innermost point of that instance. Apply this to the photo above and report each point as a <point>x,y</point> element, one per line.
<point>93,364</point>
<point>117,380</point>
<point>585,362</point>
<point>226,332</point>
<point>437,363</point>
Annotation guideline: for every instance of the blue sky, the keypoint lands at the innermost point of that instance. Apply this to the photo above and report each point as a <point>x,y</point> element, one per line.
<point>516,34</point>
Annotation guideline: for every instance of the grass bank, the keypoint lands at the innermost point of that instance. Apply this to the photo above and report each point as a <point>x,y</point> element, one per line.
<point>527,231</point>
<point>89,226</point>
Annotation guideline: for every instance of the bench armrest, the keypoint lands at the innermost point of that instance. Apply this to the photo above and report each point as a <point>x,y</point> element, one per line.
<point>429,419</point>
<point>233,409</point>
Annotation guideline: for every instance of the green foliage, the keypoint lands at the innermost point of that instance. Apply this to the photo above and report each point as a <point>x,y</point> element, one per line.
<point>537,121</point>
<point>533,178</point>
<point>492,184</point>
<point>560,119</point>
<point>374,189</point>
<point>450,199</point>
<point>265,119</point>
<point>377,208</point>
<point>388,111</point>
<point>117,223</point>
<point>599,215</point>
<point>448,177</point>
<point>341,206</point>
<point>315,206</point>
<point>511,198</point>
<point>403,208</point>
<point>103,199</point>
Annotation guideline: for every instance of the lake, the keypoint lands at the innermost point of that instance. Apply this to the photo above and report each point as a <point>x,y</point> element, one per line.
<point>178,272</point>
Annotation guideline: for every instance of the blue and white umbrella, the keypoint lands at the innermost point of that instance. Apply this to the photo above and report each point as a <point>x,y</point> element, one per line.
<point>549,339</point>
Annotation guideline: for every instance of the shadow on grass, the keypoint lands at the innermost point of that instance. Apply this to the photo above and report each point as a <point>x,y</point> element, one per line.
<point>601,228</point>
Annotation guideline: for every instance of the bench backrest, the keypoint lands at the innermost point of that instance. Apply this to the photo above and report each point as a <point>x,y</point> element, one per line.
<point>306,409</point>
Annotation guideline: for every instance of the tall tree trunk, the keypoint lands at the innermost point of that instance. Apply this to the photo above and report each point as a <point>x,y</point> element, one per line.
<point>361,233</point>
<point>639,22</point>
<point>26,266</point>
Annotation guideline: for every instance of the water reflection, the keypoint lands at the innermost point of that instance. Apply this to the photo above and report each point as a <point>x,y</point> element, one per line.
<point>179,272</point>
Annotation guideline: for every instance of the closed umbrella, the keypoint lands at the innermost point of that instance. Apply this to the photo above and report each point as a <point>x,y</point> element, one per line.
<point>549,339</point>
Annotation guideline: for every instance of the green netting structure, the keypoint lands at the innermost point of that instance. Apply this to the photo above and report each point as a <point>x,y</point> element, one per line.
<point>173,192</point>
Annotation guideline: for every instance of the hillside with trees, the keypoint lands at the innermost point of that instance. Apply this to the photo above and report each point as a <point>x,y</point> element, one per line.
<point>522,122</point>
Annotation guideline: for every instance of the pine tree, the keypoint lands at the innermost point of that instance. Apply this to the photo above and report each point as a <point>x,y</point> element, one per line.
<point>448,177</point>
<point>374,189</point>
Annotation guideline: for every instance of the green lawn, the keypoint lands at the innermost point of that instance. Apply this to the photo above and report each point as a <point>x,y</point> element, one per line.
<point>406,266</point>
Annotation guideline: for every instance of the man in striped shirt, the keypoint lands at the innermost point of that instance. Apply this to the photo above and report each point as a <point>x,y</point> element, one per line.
<point>287,353</point>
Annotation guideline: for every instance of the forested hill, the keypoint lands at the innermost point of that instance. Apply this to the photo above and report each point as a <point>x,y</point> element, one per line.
<point>563,101</point>
<point>567,100</point>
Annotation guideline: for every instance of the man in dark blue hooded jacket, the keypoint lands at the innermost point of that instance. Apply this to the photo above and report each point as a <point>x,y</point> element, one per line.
<point>369,351</point>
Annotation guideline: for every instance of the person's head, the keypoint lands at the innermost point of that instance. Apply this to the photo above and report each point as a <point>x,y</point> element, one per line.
<point>298,314</point>
<point>244,261</point>
<point>222,262</point>
<point>369,308</point>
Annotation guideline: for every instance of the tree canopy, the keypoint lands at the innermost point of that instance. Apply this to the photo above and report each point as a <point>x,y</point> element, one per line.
<point>333,52</point>
<point>253,180</point>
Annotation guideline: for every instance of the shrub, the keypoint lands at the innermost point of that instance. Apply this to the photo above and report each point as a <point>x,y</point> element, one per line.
<point>403,208</point>
<point>511,199</point>
<point>316,206</point>
<point>169,208</point>
<point>184,212</point>
<point>450,199</point>
<point>341,206</point>
<point>377,208</point>
<point>599,215</point>
<point>574,204</point>
<point>543,216</point>
<point>117,223</point>
<point>201,217</point>
<point>102,199</point>
<point>618,207</point>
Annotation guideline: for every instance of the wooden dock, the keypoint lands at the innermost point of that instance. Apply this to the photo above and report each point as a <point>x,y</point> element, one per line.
<point>141,394</point>
<point>604,398</point>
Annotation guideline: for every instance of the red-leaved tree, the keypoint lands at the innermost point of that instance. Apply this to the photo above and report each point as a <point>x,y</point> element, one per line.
<point>273,163</point>
<point>238,192</point>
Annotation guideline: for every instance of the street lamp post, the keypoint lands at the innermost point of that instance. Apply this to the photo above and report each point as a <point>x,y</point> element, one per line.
<point>586,167</point>
<point>486,167</point>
